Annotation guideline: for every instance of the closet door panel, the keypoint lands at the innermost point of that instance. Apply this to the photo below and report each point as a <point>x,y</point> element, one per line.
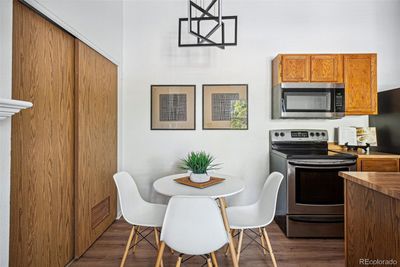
<point>96,145</point>
<point>42,156</point>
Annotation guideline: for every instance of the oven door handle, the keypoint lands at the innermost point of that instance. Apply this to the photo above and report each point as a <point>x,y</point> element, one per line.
<point>321,164</point>
<point>308,219</point>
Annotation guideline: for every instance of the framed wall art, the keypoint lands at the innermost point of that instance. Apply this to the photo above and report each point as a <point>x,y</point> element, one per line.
<point>225,106</point>
<point>173,107</point>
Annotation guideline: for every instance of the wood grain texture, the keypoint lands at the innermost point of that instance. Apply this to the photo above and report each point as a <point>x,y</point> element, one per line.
<point>108,250</point>
<point>295,68</point>
<point>360,77</point>
<point>387,183</point>
<point>378,164</point>
<point>327,68</point>
<point>95,140</point>
<point>372,224</point>
<point>42,223</point>
<point>276,70</point>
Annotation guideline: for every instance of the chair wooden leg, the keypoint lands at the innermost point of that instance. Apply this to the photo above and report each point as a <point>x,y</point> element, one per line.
<point>160,254</point>
<point>227,245</point>
<point>262,241</point>
<point>240,244</point>
<point>179,261</point>
<point>214,259</point>
<point>136,239</point>
<point>209,264</point>
<point>227,227</point>
<point>269,247</point>
<point>128,245</point>
<point>157,238</point>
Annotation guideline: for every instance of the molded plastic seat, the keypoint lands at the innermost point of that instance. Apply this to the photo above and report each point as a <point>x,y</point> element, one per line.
<point>262,212</point>
<point>193,226</point>
<point>257,215</point>
<point>135,209</point>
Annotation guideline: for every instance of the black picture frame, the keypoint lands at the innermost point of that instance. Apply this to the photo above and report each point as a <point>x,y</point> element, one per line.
<point>203,106</point>
<point>152,93</point>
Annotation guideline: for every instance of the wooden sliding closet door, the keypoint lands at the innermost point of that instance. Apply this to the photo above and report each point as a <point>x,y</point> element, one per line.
<point>96,145</point>
<point>42,156</point>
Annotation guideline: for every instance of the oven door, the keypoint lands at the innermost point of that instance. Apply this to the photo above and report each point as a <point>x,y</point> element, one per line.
<point>314,186</point>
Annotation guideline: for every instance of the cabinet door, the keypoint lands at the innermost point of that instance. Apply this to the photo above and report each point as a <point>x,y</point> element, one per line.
<point>378,165</point>
<point>327,68</point>
<point>295,68</point>
<point>42,143</point>
<point>361,85</point>
<point>95,145</point>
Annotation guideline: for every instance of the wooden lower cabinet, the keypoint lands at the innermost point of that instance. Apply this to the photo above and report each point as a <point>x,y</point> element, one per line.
<point>372,222</point>
<point>378,164</point>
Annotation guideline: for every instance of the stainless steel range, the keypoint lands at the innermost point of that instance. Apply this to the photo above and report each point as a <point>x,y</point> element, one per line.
<point>311,197</point>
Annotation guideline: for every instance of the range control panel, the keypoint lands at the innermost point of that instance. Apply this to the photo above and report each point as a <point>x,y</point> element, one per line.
<point>292,135</point>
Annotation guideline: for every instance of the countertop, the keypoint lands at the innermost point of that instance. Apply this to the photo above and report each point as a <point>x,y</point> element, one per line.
<point>362,154</point>
<point>387,183</point>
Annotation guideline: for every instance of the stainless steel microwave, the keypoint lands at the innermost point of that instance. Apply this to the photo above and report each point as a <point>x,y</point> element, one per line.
<point>308,101</point>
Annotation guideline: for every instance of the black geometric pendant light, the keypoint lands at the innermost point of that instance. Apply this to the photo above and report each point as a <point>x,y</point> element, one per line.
<point>205,25</point>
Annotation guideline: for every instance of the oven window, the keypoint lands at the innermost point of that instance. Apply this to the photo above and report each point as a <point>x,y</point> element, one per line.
<point>308,101</point>
<point>319,186</point>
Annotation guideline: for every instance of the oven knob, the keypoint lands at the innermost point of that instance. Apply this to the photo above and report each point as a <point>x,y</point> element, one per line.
<point>323,134</point>
<point>282,134</point>
<point>317,134</point>
<point>312,134</point>
<point>277,134</point>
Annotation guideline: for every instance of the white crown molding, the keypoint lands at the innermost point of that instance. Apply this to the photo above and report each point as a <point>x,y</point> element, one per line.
<point>9,107</point>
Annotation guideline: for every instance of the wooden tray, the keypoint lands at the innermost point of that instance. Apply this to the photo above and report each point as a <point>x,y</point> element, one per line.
<point>186,181</point>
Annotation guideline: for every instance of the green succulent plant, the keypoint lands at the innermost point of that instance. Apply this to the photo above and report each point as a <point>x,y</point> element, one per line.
<point>198,162</point>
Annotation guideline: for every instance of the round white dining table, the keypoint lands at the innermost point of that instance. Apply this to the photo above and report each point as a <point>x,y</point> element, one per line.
<point>169,187</point>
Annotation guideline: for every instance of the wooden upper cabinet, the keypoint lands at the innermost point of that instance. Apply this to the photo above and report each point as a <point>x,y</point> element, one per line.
<point>361,84</point>
<point>327,68</point>
<point>295,68</point>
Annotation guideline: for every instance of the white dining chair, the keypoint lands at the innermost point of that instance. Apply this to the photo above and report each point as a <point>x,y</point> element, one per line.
<point>137,212</point>
<point>257,215</point>
<point>193,226</point>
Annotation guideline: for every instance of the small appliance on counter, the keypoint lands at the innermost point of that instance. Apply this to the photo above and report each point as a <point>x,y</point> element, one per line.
<point>308,101</point>
<point>311,196</point>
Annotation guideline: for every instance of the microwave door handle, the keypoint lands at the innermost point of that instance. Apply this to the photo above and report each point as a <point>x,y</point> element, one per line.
<point>283,105</point>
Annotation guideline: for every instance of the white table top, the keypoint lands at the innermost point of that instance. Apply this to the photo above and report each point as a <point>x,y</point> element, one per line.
<point>167,186</point>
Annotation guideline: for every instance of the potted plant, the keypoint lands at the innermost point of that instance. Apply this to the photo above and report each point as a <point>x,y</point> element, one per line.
<point>198,163</point>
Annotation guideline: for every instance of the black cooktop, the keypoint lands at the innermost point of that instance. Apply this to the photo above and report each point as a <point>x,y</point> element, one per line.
<point>312,154</point>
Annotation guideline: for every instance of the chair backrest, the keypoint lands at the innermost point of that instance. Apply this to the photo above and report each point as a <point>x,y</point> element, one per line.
<point>266,204</point>
<point>130,199</point>
<point>193,225</point>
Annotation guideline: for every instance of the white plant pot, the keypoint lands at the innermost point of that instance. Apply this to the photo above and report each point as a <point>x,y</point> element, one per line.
<point>199,177</point>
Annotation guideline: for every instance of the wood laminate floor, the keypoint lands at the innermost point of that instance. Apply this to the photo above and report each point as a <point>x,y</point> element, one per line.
<point>108,250</point>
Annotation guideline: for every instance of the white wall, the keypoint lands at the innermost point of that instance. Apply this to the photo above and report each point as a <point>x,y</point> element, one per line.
<point>266,28</point>
<point>98,22</point>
